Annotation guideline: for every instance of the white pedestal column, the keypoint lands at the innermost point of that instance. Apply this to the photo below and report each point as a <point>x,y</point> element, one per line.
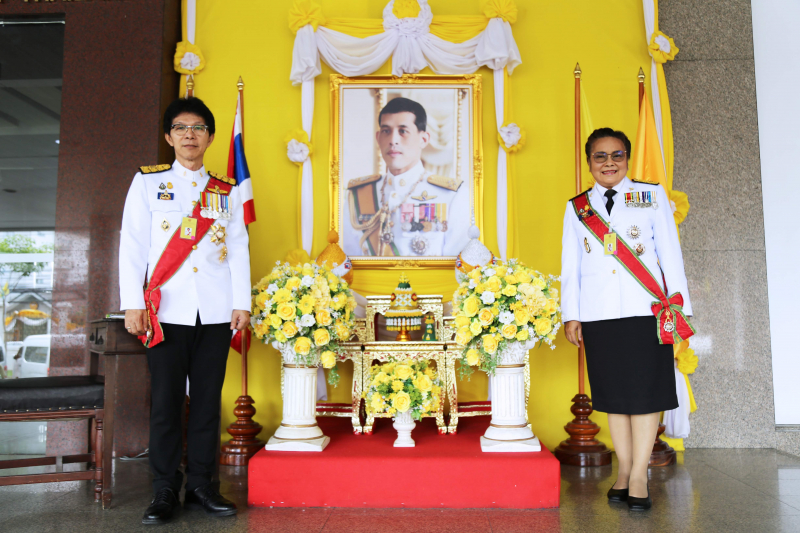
<point>298,431</point>
<point>509,431</point>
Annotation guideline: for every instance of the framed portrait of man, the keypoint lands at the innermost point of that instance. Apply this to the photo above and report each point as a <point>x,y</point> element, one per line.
<point>406,162</point>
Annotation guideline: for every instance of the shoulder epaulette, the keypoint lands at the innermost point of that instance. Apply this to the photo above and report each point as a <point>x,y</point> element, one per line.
<point>581,194</point>
<point>447,183</point>
<point>222,178</point>
<point>644,181</point>
<point>152,169</point>
<point>358,182</point>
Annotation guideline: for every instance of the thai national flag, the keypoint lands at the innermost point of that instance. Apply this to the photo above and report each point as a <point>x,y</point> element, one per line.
<point>237,165</point>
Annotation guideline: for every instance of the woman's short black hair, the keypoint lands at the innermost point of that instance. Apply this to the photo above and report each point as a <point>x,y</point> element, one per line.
<point>602,133</point>
<point>191,105</point>
<point>399,105</point>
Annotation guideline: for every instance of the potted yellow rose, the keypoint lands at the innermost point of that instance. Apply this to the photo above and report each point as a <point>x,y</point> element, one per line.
<point>501,311</point>
<point>305,311</point>
<point>406,390</point>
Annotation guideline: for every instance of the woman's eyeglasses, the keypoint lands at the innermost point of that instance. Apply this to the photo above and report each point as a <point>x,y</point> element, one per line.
<point>602,157</point>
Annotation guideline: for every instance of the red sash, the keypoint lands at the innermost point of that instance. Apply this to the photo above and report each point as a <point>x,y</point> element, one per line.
<point>673,326</point>
<point>172,258</point>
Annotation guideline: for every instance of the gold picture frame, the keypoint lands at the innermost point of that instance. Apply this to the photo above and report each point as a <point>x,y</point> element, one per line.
<point>467,87</point>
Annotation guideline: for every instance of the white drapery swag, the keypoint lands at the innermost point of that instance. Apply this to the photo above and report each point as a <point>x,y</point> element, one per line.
<point>27,321</point>
<point>412,47</point>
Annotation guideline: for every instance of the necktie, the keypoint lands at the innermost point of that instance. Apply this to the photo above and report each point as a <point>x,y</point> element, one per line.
<point>610,202</point>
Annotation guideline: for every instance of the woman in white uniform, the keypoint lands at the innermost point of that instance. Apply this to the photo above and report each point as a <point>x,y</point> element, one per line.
<point>625,296</point>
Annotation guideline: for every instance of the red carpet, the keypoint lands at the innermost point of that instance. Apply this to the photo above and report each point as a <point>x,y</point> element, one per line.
<point>442,471</point>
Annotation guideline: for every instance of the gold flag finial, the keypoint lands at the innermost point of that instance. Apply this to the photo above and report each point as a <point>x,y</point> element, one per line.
<point>240,84</point>
<point>577,70</point>
<point>641,75</point>
<point>189,86</point>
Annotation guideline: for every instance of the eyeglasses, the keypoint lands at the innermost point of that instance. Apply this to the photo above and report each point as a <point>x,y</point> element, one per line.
<point>181,129</point>
<point>602,157</point>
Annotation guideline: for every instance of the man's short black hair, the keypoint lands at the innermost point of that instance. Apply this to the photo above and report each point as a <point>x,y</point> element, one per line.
<point>399,105</point>
<point>191,105</point>
<point>602,133</point>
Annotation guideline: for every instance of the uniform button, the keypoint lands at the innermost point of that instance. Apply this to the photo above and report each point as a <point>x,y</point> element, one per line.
<point>194,247</point>
<point>194,184</point>
<point>194,203</point>
<point>613,271</point>
<point>195,269</point>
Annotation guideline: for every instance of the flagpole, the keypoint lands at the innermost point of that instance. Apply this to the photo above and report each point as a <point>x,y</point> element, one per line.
<point>244,430</point>
<point>581,448</point>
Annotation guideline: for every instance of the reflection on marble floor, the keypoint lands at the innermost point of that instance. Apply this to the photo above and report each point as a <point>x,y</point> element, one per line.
<point>710,490</point>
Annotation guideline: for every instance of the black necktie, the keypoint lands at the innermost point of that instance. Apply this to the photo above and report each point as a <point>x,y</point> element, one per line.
<point>610,203</point>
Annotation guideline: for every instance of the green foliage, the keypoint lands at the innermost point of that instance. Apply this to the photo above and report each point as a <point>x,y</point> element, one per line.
<point>22,244</point>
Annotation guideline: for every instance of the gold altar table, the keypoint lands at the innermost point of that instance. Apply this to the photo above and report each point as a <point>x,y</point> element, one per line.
<point>364,348</point>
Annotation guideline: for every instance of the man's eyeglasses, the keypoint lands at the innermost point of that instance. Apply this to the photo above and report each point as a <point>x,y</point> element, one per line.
<point>602,157</point>
<point>181,129</point>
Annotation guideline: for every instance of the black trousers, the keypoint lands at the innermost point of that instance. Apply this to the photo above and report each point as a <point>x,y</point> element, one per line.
<point>201,353</point>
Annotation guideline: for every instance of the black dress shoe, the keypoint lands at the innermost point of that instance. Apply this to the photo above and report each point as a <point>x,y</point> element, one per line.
<point>617,495</point>
<point>640,504</point>
<point>208,498</point>
<point>161,508</point>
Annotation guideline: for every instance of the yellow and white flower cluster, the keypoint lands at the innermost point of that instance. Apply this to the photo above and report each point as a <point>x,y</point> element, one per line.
<point>398,387</point>
<point>499,304</point>
<point>308,306</point>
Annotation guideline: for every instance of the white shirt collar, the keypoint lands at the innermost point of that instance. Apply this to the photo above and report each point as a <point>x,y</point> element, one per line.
<point>411,173</point>
<point>181,170</point>
<point>618,187</point>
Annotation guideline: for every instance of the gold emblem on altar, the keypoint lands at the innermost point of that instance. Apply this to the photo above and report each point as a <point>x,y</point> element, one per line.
<point>404,314</point>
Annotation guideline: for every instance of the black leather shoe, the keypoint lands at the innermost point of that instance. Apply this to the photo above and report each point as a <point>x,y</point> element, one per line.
<point>161,508</point>
<point>208,498</point>
<point>640,504</point>
<point>617,495</point>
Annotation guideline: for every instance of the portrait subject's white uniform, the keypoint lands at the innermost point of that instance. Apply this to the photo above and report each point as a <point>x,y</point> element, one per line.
<point>203,283</point>
<point>414,188</point>
<point>595,286</point>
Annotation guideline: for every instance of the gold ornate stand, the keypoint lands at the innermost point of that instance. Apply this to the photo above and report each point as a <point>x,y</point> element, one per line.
<point>363,349</point>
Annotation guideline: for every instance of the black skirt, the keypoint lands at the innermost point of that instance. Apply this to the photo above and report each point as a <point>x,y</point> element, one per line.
<point>630,373</point>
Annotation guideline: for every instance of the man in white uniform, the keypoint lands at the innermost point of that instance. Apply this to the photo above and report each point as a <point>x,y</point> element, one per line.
<point>198,291</point>
<point>408,211</point>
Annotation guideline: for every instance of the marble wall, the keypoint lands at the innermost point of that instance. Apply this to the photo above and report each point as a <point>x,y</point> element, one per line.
<point>110,125</point>
<point>712,92</point>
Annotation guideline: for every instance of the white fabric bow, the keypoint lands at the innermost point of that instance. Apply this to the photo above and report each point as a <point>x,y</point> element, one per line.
<point>419,25</point>
<point>296,151</point>
<point>510,134</point>
<point>190,61</point>
<point>663,44</point>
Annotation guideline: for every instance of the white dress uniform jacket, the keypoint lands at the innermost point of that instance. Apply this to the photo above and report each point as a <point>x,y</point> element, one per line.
<point>413,187</point>
<point>595,286</point>
<point>202,284</point>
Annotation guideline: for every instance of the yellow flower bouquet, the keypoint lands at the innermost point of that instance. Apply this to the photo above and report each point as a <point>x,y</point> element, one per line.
<point>497,305</point>
<point>399,387</point>
<point>305,307</point>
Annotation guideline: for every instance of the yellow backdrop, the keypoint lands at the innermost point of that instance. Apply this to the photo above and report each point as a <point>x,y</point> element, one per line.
<point>251,38</point>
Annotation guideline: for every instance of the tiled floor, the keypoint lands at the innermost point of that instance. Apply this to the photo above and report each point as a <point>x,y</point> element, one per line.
<point>751,491</point>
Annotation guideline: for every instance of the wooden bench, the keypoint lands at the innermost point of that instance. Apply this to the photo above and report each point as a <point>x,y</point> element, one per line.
<point>59,398</point>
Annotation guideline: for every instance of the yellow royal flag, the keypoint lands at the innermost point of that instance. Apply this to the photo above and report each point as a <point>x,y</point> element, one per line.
<point>647,163</point>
